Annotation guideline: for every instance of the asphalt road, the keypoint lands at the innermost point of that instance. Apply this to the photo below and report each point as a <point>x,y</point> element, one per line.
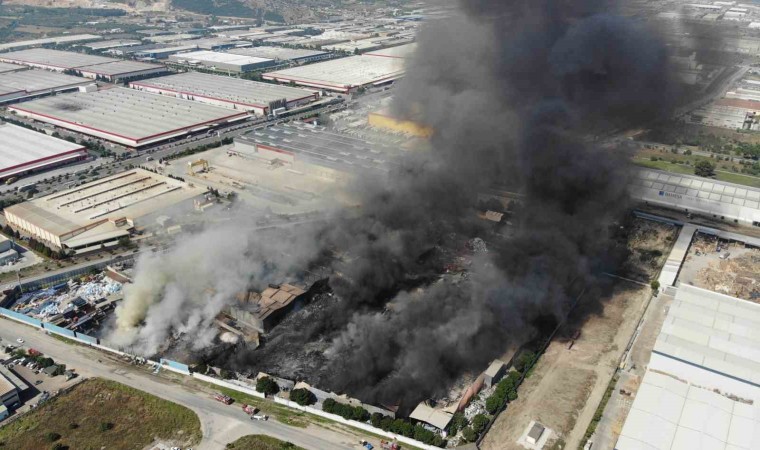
<point>220,423</point>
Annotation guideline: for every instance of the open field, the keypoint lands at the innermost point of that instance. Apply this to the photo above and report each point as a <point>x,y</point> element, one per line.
<point>261,442</point>
<point>103,414</point>
<point>567,384</point>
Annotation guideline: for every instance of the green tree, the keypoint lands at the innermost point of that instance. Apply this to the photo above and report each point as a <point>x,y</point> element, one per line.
<point>267,386</point>
<point>469,435</point>
<point>704,168</point>
<point>303,397</point>
<point>479,423</point>
<point>655,285</point>
<point>493,403</point>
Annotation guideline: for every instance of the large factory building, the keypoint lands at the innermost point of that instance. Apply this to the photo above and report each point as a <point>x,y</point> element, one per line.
<point>23,85</point>
<point>229,92</point>
<point>692,194</point>
<point>100,212</point>
<point>90,66</point>
<point>126,116</point>
<point>224,62</point>
<point>23,151</point>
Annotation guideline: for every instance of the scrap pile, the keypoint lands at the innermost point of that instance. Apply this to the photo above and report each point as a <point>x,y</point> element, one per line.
<point>65,297</point>
<point>736,276</point>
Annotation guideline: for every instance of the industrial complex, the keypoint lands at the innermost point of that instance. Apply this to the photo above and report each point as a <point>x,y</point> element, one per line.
<point>127,116</point>
<point>100,212</point>
<point>23,151</point>
<point>22,85</point>
<point>236,93</point>
<point>90,66</point>
<point>343,75</point>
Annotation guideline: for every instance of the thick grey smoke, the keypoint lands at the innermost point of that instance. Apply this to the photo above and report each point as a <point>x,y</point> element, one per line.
<point>516,91</point>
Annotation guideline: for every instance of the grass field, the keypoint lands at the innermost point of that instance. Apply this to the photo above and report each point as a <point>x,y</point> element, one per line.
<point>728,177</point>
<point>102,414</point>
<point>261,442</point>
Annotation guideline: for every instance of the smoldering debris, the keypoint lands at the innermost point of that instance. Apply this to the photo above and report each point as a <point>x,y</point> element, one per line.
<point>516,91</point>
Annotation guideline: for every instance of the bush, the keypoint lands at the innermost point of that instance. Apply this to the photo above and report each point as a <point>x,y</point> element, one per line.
<point>52,437</point>
<point>348,412</point>
<point>479,423</point>
<point>267,386</point>
<point>525,360</point>
<point>469,435</point>
<point>57,446</point>
<point>655,285</point>
<point>105,426</point>
<point>493,403</point>
<point>303,397</point>
<point>73,426</point>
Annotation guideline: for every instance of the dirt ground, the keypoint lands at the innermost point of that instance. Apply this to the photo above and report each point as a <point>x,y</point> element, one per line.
<point>649,243</point>
<point>730,268</point>
<point>567,384</point>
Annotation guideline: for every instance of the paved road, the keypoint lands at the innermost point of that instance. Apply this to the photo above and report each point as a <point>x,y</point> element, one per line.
<point>220,424</point>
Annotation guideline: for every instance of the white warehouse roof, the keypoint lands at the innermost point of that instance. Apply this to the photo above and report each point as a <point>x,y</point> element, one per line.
<point>343,74</point>
<point>22,149</point>
<point>125,116</point>
<point>53,58</point>
<point>701,387</point>
<point>209,58</point>
<point>14,85</point>
<point>234,91</point>
<point>697,194</point>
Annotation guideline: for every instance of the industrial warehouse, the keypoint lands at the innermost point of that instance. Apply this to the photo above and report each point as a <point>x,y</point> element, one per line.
<point>91,66</point>
<point>23,150</point>
<point>99,212</point>
<point>280,54</point>
<point>236,93</point>
<point>127,116</point>
<point>344,74</point>
<point>700,389</point>
<point>693,194</point>
<point>223,62</point>
<point>27,84</point>
<point>295,143</point>
<point>6,67</point>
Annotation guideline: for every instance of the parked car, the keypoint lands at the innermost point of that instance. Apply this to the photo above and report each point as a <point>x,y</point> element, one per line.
<point>38,382</point>
<point>259,417</point>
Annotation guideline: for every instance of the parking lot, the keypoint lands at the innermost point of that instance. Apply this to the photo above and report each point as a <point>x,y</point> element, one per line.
<point>40,385</point>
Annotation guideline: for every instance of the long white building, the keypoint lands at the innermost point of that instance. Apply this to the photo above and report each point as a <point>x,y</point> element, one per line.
<point>235,93</point>
<point>687,193</point>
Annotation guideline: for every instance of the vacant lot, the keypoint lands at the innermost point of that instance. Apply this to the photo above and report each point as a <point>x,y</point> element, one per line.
<point>102,414</point>
<point>261,442</point>
<point>567,383</point>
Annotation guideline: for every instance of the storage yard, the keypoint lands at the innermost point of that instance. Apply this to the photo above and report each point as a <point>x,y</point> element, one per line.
<point>223,62</point>
<point>23,150</point>
<point>79,306</point>
<point>127,116</point>
<point>344,74</point>
<point>720,265</point>
<point>102,211</point>
<point>262,184</point>
<point>27,84</point>
<point>235,93</point>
